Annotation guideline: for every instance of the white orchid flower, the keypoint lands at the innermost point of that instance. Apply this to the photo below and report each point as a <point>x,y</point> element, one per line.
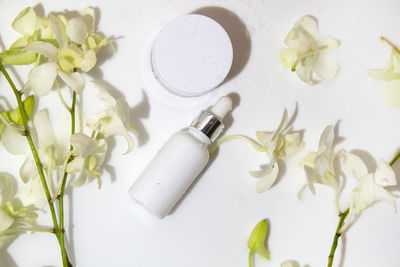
<point>370,186</point>
<point>391,74</point>
<point>51,154</point>
<point>277,145</point>
<point>319,166</point>
<point>114,120</point>
<point>306,54</point>
<point>64,60</point>
<point>42,77</point>
<point>14,217</point>
<point>91,155</point>
<point>76,33</point>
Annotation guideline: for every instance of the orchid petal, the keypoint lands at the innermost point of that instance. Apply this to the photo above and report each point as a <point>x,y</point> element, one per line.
<point>5,221</point>
<point>88,61</point>
<point>76,165</point>
<point>7,190</point>
<point>288,57</point>
<point>95,41</point>
<point>384,174</point>
<point>83,144</point>
<point>58,28</point>
<point>328,43</point>
<point>14,143</point>
<point>28,169</point>
<point>122,109</point>
<point>81,180</point>
<point>44,48</point>
<point>265,138</point>
<point>77,30</point>
<point>308,160</point>
<point>391,93</point>
<point>42,78</point>
<point>20,43</point>
<point>366,193</point>
<point>102,147</point>
<point>328,179</point>
<point>43,24</point>
<point>282,124</point>
<point>323,162</point>
<point>292,146</point>
<point>382,194</point>
<point>304,70</point>
<point>74,80</point>
<point>312,177</point>
<point>354,165</point>
<point>89,16</point>
<point>325,67</point>
<point>309,24</point>
<point>267,177</point>
<point>115,127</point>
<point>25,22</point>
<point>297,41</point>
<point>63,130</point>
<point>46,136</point>
<point>395,61</point>
<point>326,139</point>
<point>32,193</point>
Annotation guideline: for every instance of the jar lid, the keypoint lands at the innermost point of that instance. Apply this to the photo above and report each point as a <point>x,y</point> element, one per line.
<point>191,55</point>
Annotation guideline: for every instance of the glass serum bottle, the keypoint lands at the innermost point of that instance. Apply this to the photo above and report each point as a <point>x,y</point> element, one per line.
<point>179,161</point>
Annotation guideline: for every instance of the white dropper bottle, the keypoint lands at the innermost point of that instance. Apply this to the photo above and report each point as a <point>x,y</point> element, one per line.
<point>179,161</point>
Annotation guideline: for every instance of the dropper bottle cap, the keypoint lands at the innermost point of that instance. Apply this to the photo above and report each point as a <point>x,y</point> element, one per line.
<point>209,122</point>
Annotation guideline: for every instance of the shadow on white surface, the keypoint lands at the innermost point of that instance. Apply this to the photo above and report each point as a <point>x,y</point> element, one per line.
<point>238,33</point>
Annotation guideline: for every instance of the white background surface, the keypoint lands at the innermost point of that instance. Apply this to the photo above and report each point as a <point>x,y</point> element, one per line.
<point>211,226</point>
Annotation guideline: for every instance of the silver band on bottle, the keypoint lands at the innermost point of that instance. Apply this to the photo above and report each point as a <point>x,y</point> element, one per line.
<point>208,124</point>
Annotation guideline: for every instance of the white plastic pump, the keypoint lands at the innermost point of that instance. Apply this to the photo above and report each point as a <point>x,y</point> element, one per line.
<point>179,161</point>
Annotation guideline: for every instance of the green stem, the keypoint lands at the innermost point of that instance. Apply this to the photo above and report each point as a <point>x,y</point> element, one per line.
<point>64,181</point>
<point>251,257</point>
<point>255,144</point>
<point>395,159</point>
<point>336,238</point>
<point>57,231</point>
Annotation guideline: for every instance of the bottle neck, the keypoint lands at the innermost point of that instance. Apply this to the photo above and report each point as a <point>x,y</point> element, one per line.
<point>208,124</point>
<point>199,135</point>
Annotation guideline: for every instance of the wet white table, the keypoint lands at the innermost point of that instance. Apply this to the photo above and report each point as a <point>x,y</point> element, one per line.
<point>211,226</point>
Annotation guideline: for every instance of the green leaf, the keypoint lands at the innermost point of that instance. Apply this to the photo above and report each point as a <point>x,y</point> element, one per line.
<point>257,238</point>
<point>15,115</point>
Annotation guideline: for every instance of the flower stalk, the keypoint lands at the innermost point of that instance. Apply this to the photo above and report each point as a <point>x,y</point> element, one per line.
<point>58,230</point>
<point>342,216</point>
<point>395,159</point>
